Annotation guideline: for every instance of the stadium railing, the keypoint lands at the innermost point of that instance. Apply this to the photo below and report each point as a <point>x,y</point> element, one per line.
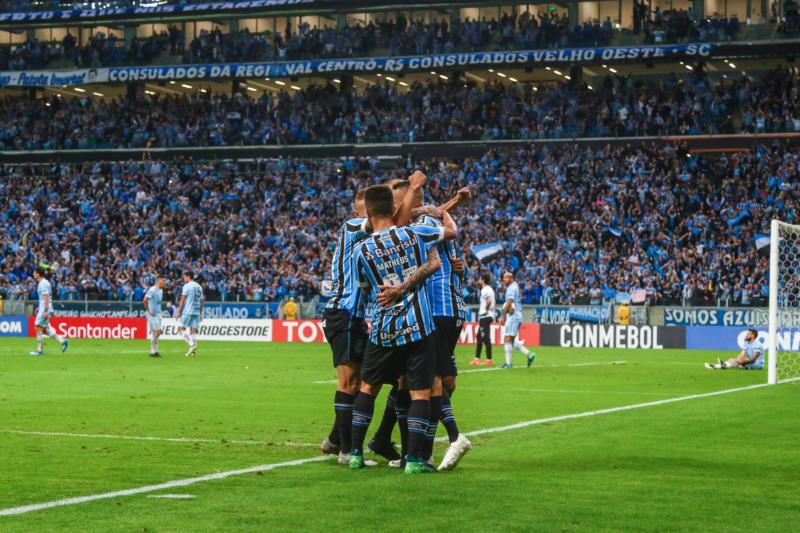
<point>659,315</point>
<point>393,151</point>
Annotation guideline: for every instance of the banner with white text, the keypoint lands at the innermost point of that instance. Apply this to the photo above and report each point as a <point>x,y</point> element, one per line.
<point>369,65</point>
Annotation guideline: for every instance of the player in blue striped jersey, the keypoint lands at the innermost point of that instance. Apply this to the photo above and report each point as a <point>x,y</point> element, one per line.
<point>444,293</point>
<point>345,328</point>
<point>401,337</point>
<point>346,332</point>
<point>513,321</point>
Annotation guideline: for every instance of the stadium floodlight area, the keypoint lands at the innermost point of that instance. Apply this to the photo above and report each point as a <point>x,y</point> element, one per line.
<point>784,303</point>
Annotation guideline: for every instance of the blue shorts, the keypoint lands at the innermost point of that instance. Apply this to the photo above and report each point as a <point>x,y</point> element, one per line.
<point>41,322</point>
<point>752,367</point>
<point>190,321</point>
<point>512,326</point>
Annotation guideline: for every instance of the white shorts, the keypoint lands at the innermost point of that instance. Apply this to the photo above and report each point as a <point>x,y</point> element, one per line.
<point>190,321</point>
<point>41,322</point>
<point>154,323</point>
<point>512,326</point>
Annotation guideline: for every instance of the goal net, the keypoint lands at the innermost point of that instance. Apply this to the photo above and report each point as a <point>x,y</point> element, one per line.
<point>784,302</point>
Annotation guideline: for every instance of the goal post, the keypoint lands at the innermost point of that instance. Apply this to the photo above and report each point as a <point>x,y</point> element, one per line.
<point>783,350</point>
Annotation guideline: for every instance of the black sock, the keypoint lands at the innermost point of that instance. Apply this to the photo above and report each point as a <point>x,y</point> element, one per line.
<point>401,410</point>
<point>478,348</point>
<point>343,404</point>
<point>489,349</point>
<point>333,436</point>
<point>384,433</point>
<point>418,418</point>
<point>436,410</point>
<point>363,407</point>
<point>448,417</point>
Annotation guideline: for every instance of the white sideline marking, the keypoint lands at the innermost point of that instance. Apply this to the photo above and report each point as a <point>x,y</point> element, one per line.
<point>572,391</point>
<point>489,369</point>
<point>539,421</point>
<point>173,496</point>
<point>471,370</point>
<point>158,439</point>
<point>221,475</point>
<point>161,486</point>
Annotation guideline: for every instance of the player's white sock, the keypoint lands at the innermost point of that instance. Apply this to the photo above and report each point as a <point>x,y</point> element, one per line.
<point>39,346</point>
<point>153,345</point>
<point>187,337</point>
<point>54,335</point>
<point>509,349</point>
<point>521,347</point>
<point>193,339</point>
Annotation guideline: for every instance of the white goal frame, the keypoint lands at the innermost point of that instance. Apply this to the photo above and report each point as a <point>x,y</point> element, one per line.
<point>774,287</point>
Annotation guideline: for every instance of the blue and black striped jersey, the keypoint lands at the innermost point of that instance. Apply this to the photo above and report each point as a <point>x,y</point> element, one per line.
<point>444,285</point>
<point>346,294</point>
<point>389,258</point>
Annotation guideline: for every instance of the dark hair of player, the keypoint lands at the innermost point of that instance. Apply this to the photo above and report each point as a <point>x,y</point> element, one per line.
<point>487,278</point>
<point>41,271</point>
<point>753,332</point>
<point>379,201</point>
<point>189,274</point>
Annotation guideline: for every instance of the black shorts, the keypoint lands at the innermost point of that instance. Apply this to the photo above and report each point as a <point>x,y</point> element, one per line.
<point>485,329</point>
<point>416,361</point>
<point>347,336</point>
<point>448,330</point>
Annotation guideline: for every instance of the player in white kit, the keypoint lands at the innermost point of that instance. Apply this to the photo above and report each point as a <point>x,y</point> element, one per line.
<point>44,313</point>
<point>513,320</point>
<point>152,307</point>
<point>190,312</point>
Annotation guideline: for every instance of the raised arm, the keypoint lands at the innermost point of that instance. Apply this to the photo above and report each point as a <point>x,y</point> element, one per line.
<point>463,196</point>
<point>389,294</point>
<point>402,216</point>
<point>450,228</point>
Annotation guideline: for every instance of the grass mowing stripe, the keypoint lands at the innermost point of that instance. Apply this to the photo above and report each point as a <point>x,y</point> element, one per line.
<point>161,486</point>
<point>472,370</point>
<point>221,475</point>
<point>158,439</point>
<point>520,425</point>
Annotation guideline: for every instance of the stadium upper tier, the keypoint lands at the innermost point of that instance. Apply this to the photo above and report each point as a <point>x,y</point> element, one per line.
<point>363,35</point>
<point>440,110</point>
<point>574,223</point>
<point>391,37</point>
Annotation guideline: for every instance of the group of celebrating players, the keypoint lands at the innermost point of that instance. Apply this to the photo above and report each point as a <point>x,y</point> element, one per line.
<point>399,257</point>
<point>410,272</point>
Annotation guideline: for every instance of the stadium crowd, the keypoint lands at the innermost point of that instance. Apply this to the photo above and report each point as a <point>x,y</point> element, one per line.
<point>432,111</point>
<point>576,224</point>
<point>398,36</point>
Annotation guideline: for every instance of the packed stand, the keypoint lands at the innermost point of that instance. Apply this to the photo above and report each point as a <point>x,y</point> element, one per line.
<point>394,37</point>
<point>576,224</point>
<point>433,111</point>
<point>681,26</point>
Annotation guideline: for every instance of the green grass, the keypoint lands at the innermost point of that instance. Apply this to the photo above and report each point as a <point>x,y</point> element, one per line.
<point>725,462</point>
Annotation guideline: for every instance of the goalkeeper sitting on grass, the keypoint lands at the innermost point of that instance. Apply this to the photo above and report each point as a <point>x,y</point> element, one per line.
<point>750,358</point>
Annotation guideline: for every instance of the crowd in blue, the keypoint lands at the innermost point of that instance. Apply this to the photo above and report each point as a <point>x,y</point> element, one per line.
<point>576,224</point>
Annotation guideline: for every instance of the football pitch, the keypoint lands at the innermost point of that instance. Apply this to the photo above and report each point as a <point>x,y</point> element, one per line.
<point>586,440</point>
